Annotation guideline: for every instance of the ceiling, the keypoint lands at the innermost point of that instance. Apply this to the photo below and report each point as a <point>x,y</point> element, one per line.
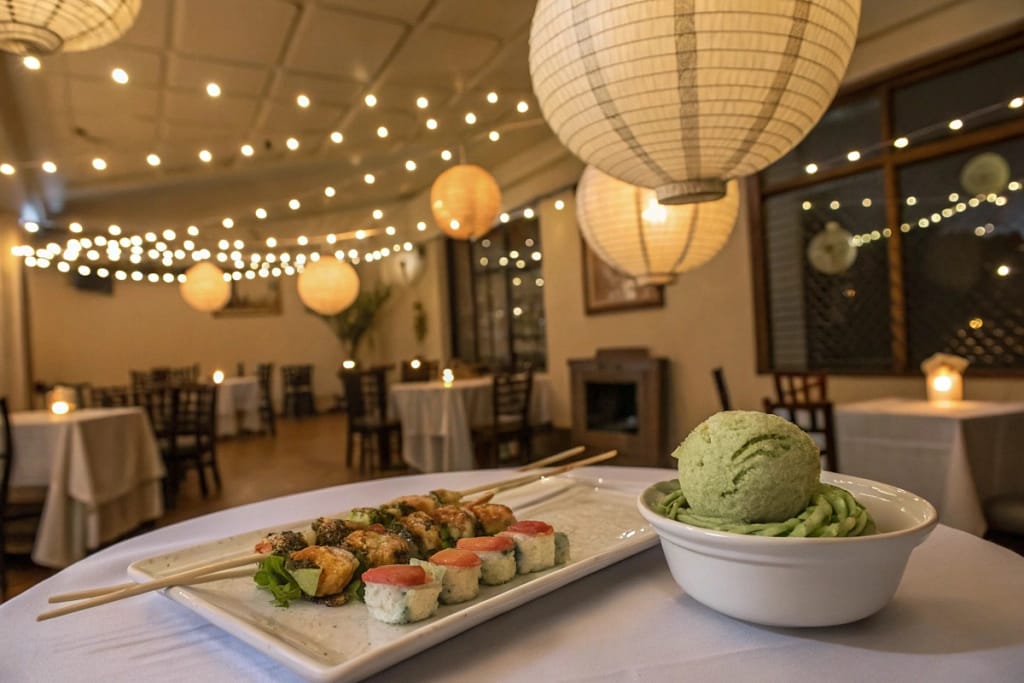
<point>264,54</point>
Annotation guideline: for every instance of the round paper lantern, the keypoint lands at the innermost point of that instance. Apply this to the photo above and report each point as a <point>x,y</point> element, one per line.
<point>465,200</point>
<point>328,286</point>
<point>630,231</point>
<point>205,288</point>
<point>47,26</point>
<point>681,96</point>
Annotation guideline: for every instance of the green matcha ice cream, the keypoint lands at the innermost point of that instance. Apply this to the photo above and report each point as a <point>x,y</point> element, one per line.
<point>748,467</point>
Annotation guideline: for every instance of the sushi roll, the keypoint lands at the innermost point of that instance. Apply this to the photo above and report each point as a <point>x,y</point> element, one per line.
<point>497,557</point>
<point>535,545</point>
<point>461,581</point>
<point>400,593</point>
<point>561,548</point>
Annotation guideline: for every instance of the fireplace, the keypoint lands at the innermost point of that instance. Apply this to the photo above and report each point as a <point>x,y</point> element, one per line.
<point>618,401</point>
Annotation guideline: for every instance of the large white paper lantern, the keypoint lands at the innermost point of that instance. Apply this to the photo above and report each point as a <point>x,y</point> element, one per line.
<point>630,231</point>
<point>46,26</point>
<point>681,96</point>
<point>205,288</point>
<point>465,200</point>
<point>328,286</point>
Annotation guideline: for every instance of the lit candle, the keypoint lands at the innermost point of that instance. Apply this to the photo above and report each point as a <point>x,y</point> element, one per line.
<point>944,377</point>
<point>218,376</point>
<point>60,407</point>
<point>349,364</point>
<point>448,377</point>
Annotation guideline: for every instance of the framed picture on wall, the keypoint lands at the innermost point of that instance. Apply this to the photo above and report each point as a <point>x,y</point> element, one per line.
<point>252,297</point>
<point>606,290</point>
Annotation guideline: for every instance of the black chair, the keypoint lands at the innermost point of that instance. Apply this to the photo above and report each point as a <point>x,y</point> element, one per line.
<point>184,376</point>
<point>816,418</point>
<point>800,387</point>
<point>194,436</point>
<point>510,424</point>
<point>13,509</point>
<point>418,370</point>
<point>111,397</point>
<point>366,407</point>
<point>298,390</point>
<point>265,373</point>
<point>723,391</point>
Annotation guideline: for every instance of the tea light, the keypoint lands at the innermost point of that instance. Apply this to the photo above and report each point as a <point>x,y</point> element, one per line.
<point>60,407</point>
<point>448,377</point>
<point>61,400</point>
<point>944,377</point>
<point>218,376</point>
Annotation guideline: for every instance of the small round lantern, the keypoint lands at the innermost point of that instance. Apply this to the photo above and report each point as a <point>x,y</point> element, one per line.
<point>205,288</point>
<point>465,201</point>
<point>328,286</point>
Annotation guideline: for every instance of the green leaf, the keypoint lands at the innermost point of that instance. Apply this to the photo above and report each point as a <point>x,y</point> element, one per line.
<point>272,576</point>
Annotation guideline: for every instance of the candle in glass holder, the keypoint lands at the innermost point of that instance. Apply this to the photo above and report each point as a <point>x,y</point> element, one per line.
<point>448,377</point>
<point>218,376</point>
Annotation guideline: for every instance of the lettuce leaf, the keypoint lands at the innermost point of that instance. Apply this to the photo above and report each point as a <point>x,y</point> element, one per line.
<point>273,576</point>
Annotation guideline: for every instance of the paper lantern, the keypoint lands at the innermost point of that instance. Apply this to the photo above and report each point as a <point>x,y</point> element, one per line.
<point>328,286</point>
<point>944,380</point>
<point>205,288</point>
<point>465,200</point>
<point>630,231</point>
<point>46,26</point>
<point>681,96</point>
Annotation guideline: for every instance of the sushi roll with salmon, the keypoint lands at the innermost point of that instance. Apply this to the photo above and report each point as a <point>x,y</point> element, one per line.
<point>561,548</point>
<point>497,557</point>
<point>461,579</point>
<point>400,593</point>
<point>535,545</point>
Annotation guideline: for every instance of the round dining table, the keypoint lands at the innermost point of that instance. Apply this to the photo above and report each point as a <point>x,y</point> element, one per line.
<point>958,616</point>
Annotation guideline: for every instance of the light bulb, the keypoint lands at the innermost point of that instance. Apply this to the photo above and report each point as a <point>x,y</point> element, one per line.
<point>302,101</point>
<point>32,62</point>
<point>492,97</point>
<point>370,100</point>
<point>336,137</point>
<point>247,150</point>
<point>49,167</point>
<point>422,102</point>
<point>99,164</point>
<point>153,159</point>
<point>205,156</point>
<point>382,131</point>
<point>119,75</point>
<point>213,89</point>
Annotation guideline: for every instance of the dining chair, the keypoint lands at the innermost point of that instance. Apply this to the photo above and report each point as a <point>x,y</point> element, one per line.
<point>800,387</point>
<point>510,420</point>
<point>298,390</point>
<point>193,440</point>
<point>718,374</point>
<point>366,407</point>
<point>18,513</point>
<point>110,397</point>
<point>419,370</point>
<point>265,374</point>
<point>817,420</point>
<point>184,376</point>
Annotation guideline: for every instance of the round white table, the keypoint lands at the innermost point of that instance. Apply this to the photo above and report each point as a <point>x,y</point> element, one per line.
<point>957,616</point>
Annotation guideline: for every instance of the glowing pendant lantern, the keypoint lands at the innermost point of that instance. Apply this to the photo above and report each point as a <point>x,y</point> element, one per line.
<point>328,286</point>
<point>465,200</point>
<point>205,288</point>
<point>43,27</point>
<point>630,231</point>
<point>682,96</point>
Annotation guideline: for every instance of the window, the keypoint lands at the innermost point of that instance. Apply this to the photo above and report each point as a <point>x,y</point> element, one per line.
<point>497,297</point>
<point>896,228</point>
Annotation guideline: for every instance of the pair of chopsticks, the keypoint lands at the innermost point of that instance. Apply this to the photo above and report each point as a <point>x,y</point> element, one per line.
<point>235,567</point>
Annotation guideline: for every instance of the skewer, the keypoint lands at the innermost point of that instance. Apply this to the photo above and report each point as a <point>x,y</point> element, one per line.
<point>552,459</point>
<point>522,481</point>
<point>103,590</point>
<point>156,584</point>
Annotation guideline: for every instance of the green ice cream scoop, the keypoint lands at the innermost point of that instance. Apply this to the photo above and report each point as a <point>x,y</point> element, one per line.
<point>748,467</point>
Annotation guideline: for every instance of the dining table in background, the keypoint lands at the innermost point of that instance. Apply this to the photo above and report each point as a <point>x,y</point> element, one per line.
<point>957,454</point>
<point>957,616</point>
<point>238,405</point>
<point>102,471</point>
<point>437,420</point>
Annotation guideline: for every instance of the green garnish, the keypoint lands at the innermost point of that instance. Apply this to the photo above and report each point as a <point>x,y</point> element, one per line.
<point>273,576</point>
<point>307,577</point>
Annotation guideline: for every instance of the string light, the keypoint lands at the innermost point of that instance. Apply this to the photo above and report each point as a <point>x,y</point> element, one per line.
<point>470,118</point>
<point>559,205</point>
<point>49,167</point>
<point>292,144</point>
<point>1016,103</point>
<point>494,136</point>
<point>119,75</point>
<point>294,204</point>
<point>853,155</point>
<point>422,102</point>
<point>410,165</point>
<point>247,150</point>
<point>205,156</point>
<point>7,169</point>
<point>811,168</point>
<point>213,89</point>
<point>522,107</point>
<point>492,97</point>
<point>337,137</point>
<point>31,62</point>
<point>900,142</point>
<point>432,124</point>
<point>153,159</point>
<point>370,100</point>
<point>369,179</point>
<point>228,223</point>
<point>446,155</point>
<point>99,164</point>
<point>421,226</point>
<point>261,213</point>
<point>377,214</point>
<point>956,124</point>
<point>329,191</point>
<point>504,217</point>
<point>303,101</point>
<point>382,131</point>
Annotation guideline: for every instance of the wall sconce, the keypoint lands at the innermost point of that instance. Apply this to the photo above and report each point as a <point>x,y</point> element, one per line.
<point>448,377</point>
<point>944,377</point>
<point>61,400</point>
<point>218,376</point>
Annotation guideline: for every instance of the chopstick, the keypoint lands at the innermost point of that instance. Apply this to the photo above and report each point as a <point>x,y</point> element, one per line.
<point>173,580</point>
<point>103,590</point>
<point>524,480</point>
<point>552,459</point>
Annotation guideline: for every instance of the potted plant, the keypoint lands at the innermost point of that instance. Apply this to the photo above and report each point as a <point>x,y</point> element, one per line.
<point>351,325</point>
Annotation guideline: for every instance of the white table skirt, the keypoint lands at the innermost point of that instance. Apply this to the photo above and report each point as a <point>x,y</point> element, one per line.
<point>102,470</point>
<point>956,454</point>
<point>956,617</point>
<point>238,405</point>
<point>437,422</point>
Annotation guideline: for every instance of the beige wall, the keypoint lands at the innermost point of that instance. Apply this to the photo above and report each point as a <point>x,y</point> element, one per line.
<point>14,380</point>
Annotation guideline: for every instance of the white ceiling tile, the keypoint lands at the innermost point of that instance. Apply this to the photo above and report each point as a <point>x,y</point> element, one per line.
<point>221,112</point>
<point>252,31</point>
<point>341,44</point>
<point>112,100</point>
<point>442,58</point>
<point>407,11</point>
<point>193,74</point>
<point>501,18</point>
<point>285,118</point>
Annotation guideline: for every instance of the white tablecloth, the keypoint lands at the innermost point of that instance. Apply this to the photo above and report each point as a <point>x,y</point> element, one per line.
<point>238,405</point>
<point>954,454</point>
<point>437,422</point>
<point>957,617</point>
<point>102,470</point>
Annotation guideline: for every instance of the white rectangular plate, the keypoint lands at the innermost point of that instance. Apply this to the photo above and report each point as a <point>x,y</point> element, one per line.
<point>325,643</point>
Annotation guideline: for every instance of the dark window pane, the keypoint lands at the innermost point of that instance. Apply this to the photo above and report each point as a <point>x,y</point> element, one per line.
<point>852,127</point>
<point>963,257</point>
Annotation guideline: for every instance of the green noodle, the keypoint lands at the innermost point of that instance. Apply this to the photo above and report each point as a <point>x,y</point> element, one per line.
<point>832,512</point>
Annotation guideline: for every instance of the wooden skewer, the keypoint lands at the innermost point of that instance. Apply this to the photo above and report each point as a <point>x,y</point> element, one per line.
<point>552,459</point>
<point>522,481</point>
<point>103,590</point>
<point>156,584</point>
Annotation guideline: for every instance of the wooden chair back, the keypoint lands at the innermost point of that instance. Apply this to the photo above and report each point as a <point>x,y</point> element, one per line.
<point>801,387</point>
<point>366,393</point>
<point>723,392</point>
<point>817,419</point>
<point>195,414</point>
<point>111,397</point>
<point>512,396</point>
<point>419,370</point>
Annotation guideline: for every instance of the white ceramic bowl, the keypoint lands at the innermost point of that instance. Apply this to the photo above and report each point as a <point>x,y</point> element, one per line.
<point>797,581</point>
